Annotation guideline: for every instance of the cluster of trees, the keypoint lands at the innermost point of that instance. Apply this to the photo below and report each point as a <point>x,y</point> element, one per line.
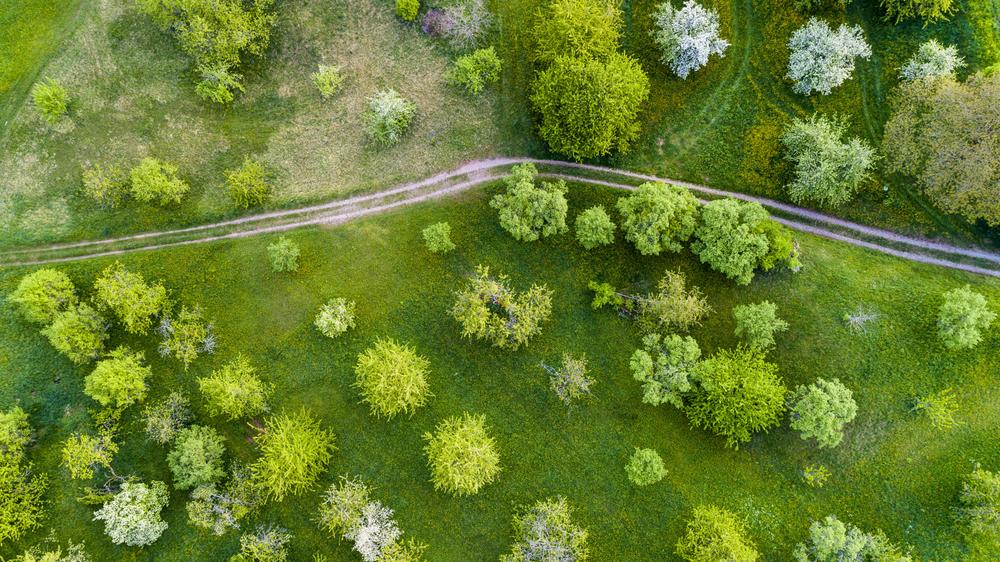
<point>831,540</point>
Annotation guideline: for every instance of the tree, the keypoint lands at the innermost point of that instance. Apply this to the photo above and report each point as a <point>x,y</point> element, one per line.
<point>963,316</point>
<point>489,309</point>
<point>328,80</point>
<point>737,237</point>
<point>284,255</point>
<point>645,467</point>
<point>462,24</point>
<point>247,184</point>
<point>594,228</point>
<point>583,29</point>
<point>294,451</point>
<point>74,553</point>
<point>335,317</point>
<point>664,366</point>
<point>106,185</point>
<point>132,517</point>
<point>570,382</point>
<point>827,169</point>
<point>821,410</point>
<point>407,9</point>
<point>84,454</point>
<point>940,408</point>
<point>757,323</point>
<point>340,512</point>
<point>186,335</point>
<point>673,305</point>
<point>931,11</point>
<point>832,541</point>
<point>546,532</point>
<point>79,333</point>
<point>392,378</point>
<point>156,181</point>
<point>387,117</point>
<point>822,58</point>
<point>687,37</point>
<point>22,506</point>
<point>476,70</point>
<point>266,544</point>
<point>167,417</point>
<point>409,550</point>
<point>528,212</point>
<point>946,134</point>
<point>219,509</point>
<point>715,534</point>
<point>235,390</point>
<point>462,456</point>
<point>437,237</point>
<point>979,505</point>
<point>218,84</point>
<point>658,217</point>
<point>50,99</point>
<point>932,60</point>
<point>119,380</point>
<point>43,294</point>
<point>129,298</point>
<point>375,531</point>
<point>737,394</point>
<point>196,457</point>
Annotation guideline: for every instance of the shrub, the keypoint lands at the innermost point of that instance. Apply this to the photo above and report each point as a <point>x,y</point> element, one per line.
<point>528,212</point>
<point>218,84</point>
<point>757,323</point>
<point>284,255</point>
<point>119,380</point>
<point>328,80</point>
<point>22,507</point>
<point>822,58</point>
<point>687,37</point>
<point>462,456</point>
<point>41,295</point>
<point>570,382</point>
<point>50,99</point>
<point>489,309</point>
<point>235,390</point>
<point>816,475</point>
<point>832,541</point>
<point>932,60</point>
<point>265,544</point>
<point>664,366</point>
<point>407,9</point>
<point>340,512</point>
<point>186,335</point>
<point>156,181</point>
<point>392,378</point>
<point>196,458</point>
<point>581,29</point>
<point>132,517</point>
<point>658,217</point>
<point>735,238</point>
<point>715,534</point>
<point>645,467</point>
<point>294,451</point>
<point>437,237</point>
<point>827,170</point>
<point>672,306</point>
<point>403,551</point>
<point>79,333</point>
<point>167,417</point>
<point>930,11</point>
<point>594,228</point>
<point>979,505</point>
<point>248,185</point>
<point>546,531</point>
<point>940,408</point>
<point>106,185</point>
<point>821,410</point>
<point>462,24</point>
<point>335,317</point>
<point>962,317</point>
<point>476,70</point>
<point>388,115</point>
<point>129,298</point>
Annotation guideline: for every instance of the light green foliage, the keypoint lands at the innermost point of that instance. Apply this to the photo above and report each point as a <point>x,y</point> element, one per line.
<point>408,550</point>
<point>50,99</point>
<point>186,335</point>
<point>167,417</point>
<point>265,544</point>
<point>645,467</point>
<point>461,454</point>
<point>294,452</point>
<point>940,408</point>
<point>594,228</point>
<point>827,170</point>
<point>79,333</point>
<point>235,390</point>
<point>248,185</point>
<point>407,9</point>
<point>830,540</point>
<point>584,29</point>
<point>196,457</point>
<point>570,382</point>
<point>732,238</point>
<point>284,255</point>
<point>22,506</point>
<point>340,511</point>
<point>545,532</point>
<point>932,60</point>
<point>658,217</point>
<point>83,454</point>
<point>218,84</point>
<point>119,380</point>
<point>715,535</point>
<point>73,553</point>
<point>43,294</point>
<point>979,505</point>
<point>437,237</point>
<point>489,309</point>
<point>816,5</point>
<point>673,306</point>
<point>781,247</point>
<point>528,212</point>
<point>221,509</point>
<point>737,394</point>
<point>664,366</point>
<point>392,378</point>
<point>132,517</point>
<point>962,318</point>
<point>108,186</point>
<point>155,181</point>
<point>605,294</point>
<point>816,475</point>
<point>757,323</point>
<point>821,410</point>
<point>931,11</point>
<point>328,80</point>
<point>15,433</point>
<point>476,70</point>
<point>127,295</point>
<point>335,317</point>
<point>387,117</point>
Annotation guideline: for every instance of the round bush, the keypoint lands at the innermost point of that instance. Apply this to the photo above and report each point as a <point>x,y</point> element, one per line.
<point>51,99</point>
<point>42,294</point>
<point>78,333</point>
<point>594,228</point>
<point>462,456</point>
<point>715,535</point>
<point>387,117</point>
<point>196,458</point>
<point>294,451</point>
<point>248,185</point>
<point>392,378</point>
<point>156,181</point>
<point>438,238</point>
<point>335,317</point>
<point>962,318</point>
<point>645,467</point>
<point>284,255</point>
<point>407,9</point>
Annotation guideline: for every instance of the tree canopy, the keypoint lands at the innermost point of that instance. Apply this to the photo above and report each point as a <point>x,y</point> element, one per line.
<point>715,534</point>
<point>489,309</point>
<point>530,212</point>
<point>828,170</point>
<point>658,217</point>
<point>294,452</point>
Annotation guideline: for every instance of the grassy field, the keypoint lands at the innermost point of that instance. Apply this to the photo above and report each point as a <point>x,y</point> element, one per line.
<point>893,470</point>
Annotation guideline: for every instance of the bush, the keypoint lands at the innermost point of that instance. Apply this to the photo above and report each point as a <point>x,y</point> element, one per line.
<point>594,228</point>
<point>757,323</point>
<point>822,58</point>
<point>821,410</point>
<point>940,408</point>
<point>673,306</point>
<point>645,467</point>
<point>664,365</point>
<point>235,391</point>
<point>294,452</point>
<point>248,185</point>
<point>687,37</point>
<point>50,99</point>
<point>41,295</point>
<point>736,237</point>
<point>407,9</point>
<point>581,29</point>
<point>932,60</point>
<point>196,458</point>
<point>119,380</point>
<point>962,317</point>
<point>340,512</point>
<point>328,80</point>
<point>546,532</point>
<point>83,454</point>
<point>219,510</point>
<point>462,456</point>
<point>387,117</point>
<point>284,255</point>
<point>79,333</point>
<point>106,186</point>
<point>528,212</point>
<point>186,335</point>
<point>714,535</point>
<point>979,505</point>
<point>156,181</point>
<point>167,417</point>
<point>489,309</point>
<point>463,24</point>
<point>335,317</point>
<point>132,517</point>
<point>658,217</point>
<point>129,298</point>
<point>218,84</point>
<point>570,382</point>
<point>476,70</point>
<point>827,170</point>
<point>437,237</point>
<point>265,544</point>
<point>931,11</point>
<point>392,379</point>
<point>833,541</point>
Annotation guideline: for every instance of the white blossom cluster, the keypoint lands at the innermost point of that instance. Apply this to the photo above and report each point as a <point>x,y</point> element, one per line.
<point>932,60</point>
<point>376,530</point>
<point>822,58</point>
<point>132,517</point>
<point>688,36</point>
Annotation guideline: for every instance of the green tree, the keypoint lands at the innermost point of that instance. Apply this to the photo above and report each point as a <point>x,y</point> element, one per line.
<point>22,488</point>
<point>340,511</point>
<point>79,333</point>
<point>186,335</point>
<point>658,217</point>
<point>546,532</point>
<point>584,29</point>
<point>462,456</point>
<point>248,185</point>
<point>714,534</point>
<point>570,382</point>
<point>736,238</point>
<point>335,317</point>
<point>821,410</point>
<point>166,418</point>
<point>645,467</point>
<point>119,380</point>
<point>219,509</point>
<point>387,117</point>
<point>940,408</point>
<point>931,11</point>
<point>108,186</point>
<point>196,457</point>
<point>664,366</point>
<point>979,506</point>
<point>294,452</point>
<point>127,295</point>
<point>50,99</point>
<point>672,306</point>
<point>528,212</point>
<point>392,378</point>
<point>218,84</point>
<point>476,70</point>
<point>594,228</point>
<point>407,9</point>
<point>156,181</point>
<point>828,170</point>
<point>132,517</point>
<point>266,544</point>
<point>437,237</point>
<point>830,540</point>
<point>43,294</point>
<point>489,309</point>
<point>235,390</point>
<point>962,318</point>
<point>84,454</point>
<point>284,255</point>
<point>757,323</point>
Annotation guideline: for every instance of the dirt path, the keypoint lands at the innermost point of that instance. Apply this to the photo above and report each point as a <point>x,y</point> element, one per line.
<point>477,172</point>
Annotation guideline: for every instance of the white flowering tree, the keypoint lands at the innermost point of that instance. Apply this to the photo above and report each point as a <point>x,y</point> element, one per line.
<point>688,36</point>
<point>376,529</point>
<point>932,60</point>
<point>822,58</point>
<point>132,517</point>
